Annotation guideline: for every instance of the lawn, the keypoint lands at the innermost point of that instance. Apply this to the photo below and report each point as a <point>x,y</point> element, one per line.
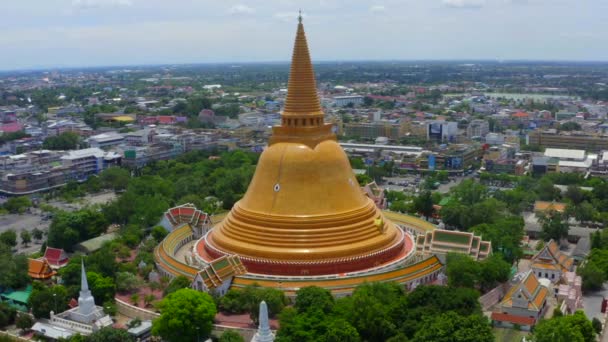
<point>508,335</point>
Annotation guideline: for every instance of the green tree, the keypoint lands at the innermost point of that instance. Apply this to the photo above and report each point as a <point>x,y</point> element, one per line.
<point>109,334</point>
<point>37,234</point>
<point>462,270</point>
<point>7,315</point>
<point>9,238</point>
<point>449,326</point>
<point>14,270</point>
<point>43,300</point>
<point>176,284</point>
<point>574,194</point>
<point>148,299</point>
<point>231,336</point>
<point>314,298</point>
<point>26,237</point>
<point>159,233</point>
<point>115,178</point>
<point>63,141</point>
<point>102,288</point>
<point>597,325</point>
<point>592,276</point>
<point>469,192</point>
<point>554,226</point>
<point>546,190</point>
<point>505,234</point>
<point>424,204</point>
<point>493,270</point>
<point>569,328</point>
<point>17,204</point>
<point>184,315</point>
<point>585,212</point>
<point>126,281</point>
<point>24,321</point>
<point>371,308</point>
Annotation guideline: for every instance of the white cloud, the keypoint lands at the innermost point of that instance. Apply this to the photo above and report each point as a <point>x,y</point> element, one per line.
<point>377,8</point>
<point>464,3</point>
<point>92,4</point>
<point>241,9</point>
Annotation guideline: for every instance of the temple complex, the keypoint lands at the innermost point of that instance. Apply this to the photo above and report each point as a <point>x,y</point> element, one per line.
<point>83,319</point>
<point>304,219</point>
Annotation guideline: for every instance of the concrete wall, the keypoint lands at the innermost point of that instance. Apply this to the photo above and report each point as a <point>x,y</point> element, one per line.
<point>131,311</point>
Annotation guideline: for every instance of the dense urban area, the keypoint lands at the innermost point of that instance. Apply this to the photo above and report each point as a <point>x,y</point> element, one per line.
<point>498,172</point>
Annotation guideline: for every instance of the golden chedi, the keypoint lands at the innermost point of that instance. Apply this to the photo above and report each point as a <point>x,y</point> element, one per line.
<point>304,212</point>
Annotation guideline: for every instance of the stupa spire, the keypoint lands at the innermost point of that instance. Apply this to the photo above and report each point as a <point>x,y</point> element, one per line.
<point>264,334</point>
<point>302,96</point>
<point>86,302</point>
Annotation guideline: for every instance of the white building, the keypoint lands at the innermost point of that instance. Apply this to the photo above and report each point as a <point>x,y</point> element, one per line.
<point>105,140</point>
<point>84,319</point>
<point>342,101</point>
<point>441,131</point>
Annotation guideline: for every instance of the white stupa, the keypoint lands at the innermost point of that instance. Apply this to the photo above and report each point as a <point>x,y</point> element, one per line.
<point>264,334</point>
<point>84,319</point>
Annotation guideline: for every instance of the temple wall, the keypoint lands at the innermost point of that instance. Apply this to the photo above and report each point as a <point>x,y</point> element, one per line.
<point>131,311</point>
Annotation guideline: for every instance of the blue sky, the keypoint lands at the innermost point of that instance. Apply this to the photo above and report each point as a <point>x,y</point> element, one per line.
<point>57,33</point>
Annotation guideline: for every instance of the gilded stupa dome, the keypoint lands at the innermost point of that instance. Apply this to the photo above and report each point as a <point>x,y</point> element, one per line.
<point>304,211</point>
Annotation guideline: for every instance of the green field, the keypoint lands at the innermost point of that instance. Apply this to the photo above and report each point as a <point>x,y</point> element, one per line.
<point>508,335</point>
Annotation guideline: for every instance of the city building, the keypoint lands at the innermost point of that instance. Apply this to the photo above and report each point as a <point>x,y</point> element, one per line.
<point>139,156</point>
<point>523,305</point>
<point>550,138</point>
<point>373,130</point>
<point>442,131</point>
<point>478,128</point>
<point>83,319</point>
<point>45,170</point>
<point>570,293</point>
<point>106,140</point>
<point>343,101</point>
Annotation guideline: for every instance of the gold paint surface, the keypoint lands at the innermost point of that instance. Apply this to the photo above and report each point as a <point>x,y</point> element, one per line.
<point>304,201</point>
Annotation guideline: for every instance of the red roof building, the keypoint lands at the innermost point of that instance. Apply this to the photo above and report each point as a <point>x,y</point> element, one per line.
<point>56,257</point>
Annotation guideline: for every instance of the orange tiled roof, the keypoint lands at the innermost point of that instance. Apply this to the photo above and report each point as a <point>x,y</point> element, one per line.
<point>40,269</point>
<point>531,283</point>
<point>539,299</point>
<point>534,293</point>
<point>521,115</point>
<point>560,259</point>
<point>546,206</point>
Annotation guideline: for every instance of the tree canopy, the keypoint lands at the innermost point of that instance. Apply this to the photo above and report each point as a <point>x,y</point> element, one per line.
<point>184,316</point>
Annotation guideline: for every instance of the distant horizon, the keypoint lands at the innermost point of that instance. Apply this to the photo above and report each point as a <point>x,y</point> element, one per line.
<point>56,34</point>
<point>286,62</point>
